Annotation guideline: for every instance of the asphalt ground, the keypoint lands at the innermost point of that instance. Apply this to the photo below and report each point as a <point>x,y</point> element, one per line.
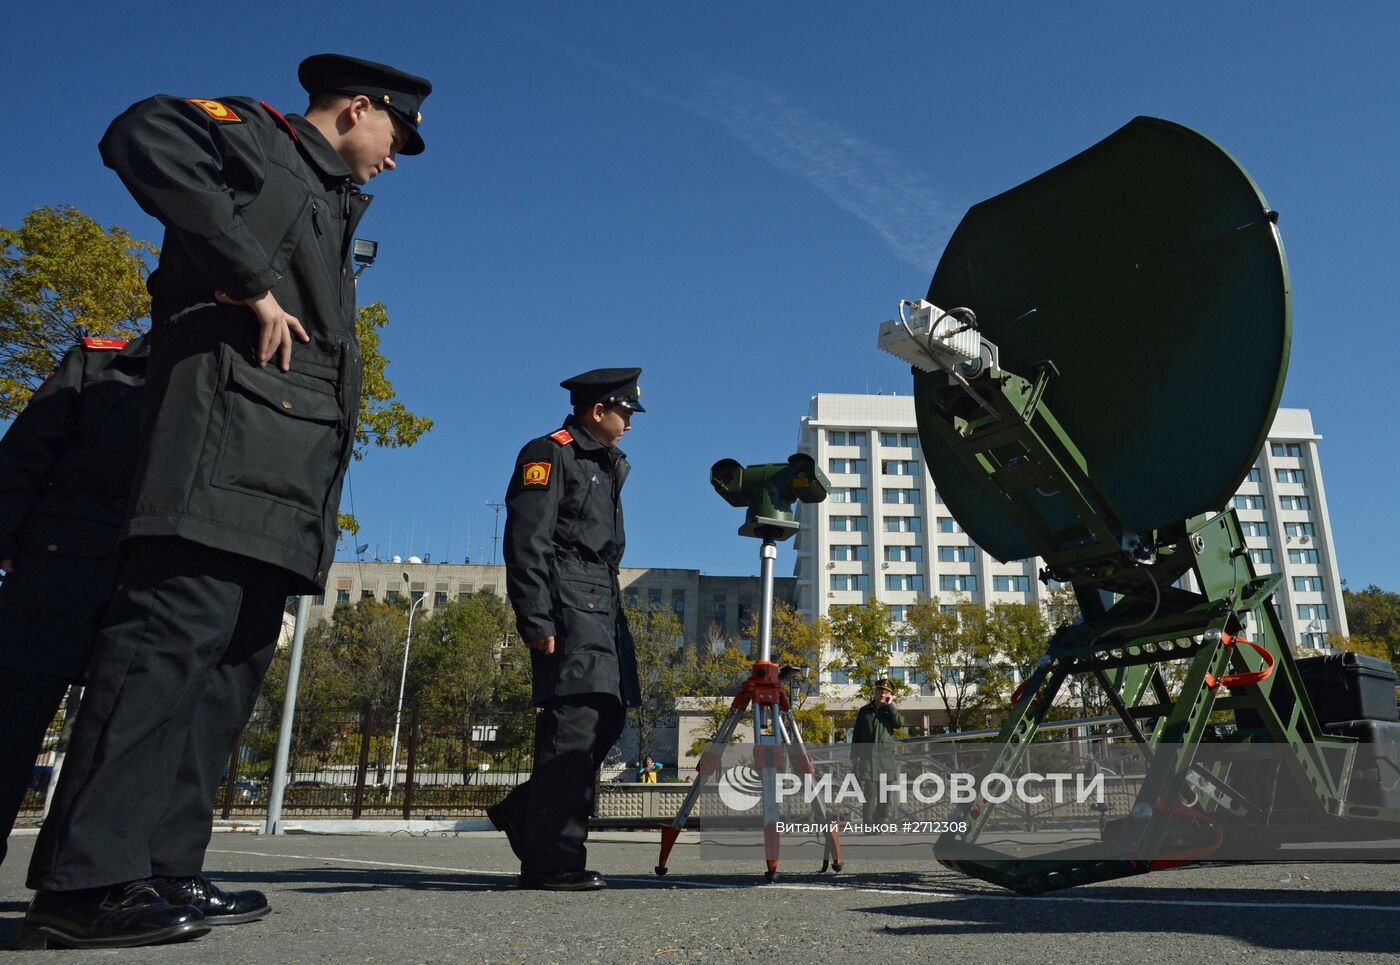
<point>395,898</point>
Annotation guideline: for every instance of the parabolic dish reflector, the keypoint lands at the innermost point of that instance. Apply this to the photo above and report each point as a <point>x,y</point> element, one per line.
<point>1150,271</point>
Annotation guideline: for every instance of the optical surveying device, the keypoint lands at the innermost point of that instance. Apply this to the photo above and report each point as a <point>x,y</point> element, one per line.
<point>766,493</point>
<point>1102,374</point>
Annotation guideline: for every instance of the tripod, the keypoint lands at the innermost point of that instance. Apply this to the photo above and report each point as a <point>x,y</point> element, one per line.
<point>774,729</point>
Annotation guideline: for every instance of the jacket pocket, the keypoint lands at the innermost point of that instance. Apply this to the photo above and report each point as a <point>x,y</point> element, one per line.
<point>282,435</point>
<point>586,620</point>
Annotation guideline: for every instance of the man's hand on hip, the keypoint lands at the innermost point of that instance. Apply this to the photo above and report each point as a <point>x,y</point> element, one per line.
<point>276,328</point>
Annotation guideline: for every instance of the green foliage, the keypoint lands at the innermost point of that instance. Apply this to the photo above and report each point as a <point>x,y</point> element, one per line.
<point>62,276</point>
<point>972,655</point>
<point>1373,617</point>
<point>707,677</point>
<point>659,638</point>
<point>861,637</point>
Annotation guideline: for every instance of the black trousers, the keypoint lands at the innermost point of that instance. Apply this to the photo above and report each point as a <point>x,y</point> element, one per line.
<point>572,737</point>
<point>179,662</point>
<point>28,702</point>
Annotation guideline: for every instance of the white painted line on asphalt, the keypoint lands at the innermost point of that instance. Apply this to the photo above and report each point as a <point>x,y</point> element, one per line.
<point>866,890</point>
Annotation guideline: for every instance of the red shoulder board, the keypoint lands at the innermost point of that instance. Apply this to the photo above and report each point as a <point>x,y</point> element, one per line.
<point>277,116</point>
<point>563,437</point>
<point>105,344</point>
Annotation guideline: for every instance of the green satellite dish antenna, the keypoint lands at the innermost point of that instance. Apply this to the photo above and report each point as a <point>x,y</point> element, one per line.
<point>1149,271</point>
<point>1096,367</point>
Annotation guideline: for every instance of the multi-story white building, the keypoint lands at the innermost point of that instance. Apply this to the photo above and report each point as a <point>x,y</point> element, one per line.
<point>884,533</point>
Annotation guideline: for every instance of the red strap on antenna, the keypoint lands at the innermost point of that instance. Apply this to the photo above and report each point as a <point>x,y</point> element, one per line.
<point>1246,678</point>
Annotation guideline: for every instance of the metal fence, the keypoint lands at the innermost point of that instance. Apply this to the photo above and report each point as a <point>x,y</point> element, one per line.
<point>445,765</point>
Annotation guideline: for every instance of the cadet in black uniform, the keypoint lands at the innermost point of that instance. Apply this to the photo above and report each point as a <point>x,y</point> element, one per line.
<point>563,544</point>
<point>65,471</point>
<point>234,501</point>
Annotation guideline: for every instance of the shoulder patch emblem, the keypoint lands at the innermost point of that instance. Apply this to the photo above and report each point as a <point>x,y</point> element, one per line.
<point>104,344</point>
<point>536,474</point>
<point>563,437</point>
<point>216,110</point>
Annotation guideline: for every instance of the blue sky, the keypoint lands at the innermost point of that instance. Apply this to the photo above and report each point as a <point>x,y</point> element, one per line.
<point>733,195</point>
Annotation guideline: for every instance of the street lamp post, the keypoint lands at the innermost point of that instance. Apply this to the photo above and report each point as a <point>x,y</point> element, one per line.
<point>403,681</point>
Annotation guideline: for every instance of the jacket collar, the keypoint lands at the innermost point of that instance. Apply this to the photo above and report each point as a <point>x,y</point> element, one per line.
<point>315,146</point>
<point>585,439</point>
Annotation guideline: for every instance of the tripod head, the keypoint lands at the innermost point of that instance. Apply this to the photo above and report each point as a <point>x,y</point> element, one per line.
<point>768,490</point>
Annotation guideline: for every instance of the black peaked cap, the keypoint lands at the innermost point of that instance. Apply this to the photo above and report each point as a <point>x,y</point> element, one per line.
<point>609,386</point>
<point>401,93</point>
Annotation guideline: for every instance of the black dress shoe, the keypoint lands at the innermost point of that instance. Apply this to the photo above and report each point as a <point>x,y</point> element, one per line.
<point>219,907</point>
<point>562,881</point>
<point>501,819</point>
<point>119,916</point>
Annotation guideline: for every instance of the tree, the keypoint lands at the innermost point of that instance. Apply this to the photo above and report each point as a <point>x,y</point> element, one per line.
<point>659,638</point>
<point>861,637</point>
<point>63,276</point>
<point>708,678</point>
<point>1373,617</point>
<point>473,670</point>
<point>799,644</point>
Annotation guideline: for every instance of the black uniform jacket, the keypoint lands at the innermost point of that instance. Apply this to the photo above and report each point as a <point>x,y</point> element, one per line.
<point>235,457</point>
<point>65,470</point>
<point>563,544</point>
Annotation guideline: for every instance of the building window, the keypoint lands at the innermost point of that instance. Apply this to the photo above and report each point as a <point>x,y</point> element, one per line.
<point>904,524</point>
<point>898,645</point>
<point>391,596</point>
<point>1289,475</point>
<point>1295,502</point>
<point>1307,584</point>
<point>366,594</point>
<point>1262,556</point>
<point>1255,475</point>
<point>1290,450</point>
<point>850,495</point>
<point>859,553</point>
<point>848,465</point>
<point>678,603</point>
<point>904,582</point>
<point>859,582</point>
<point>957,583</point>
<point>1315,641</point>
<point>1302,556</point>
<point>1312,611</point>
<point>957,554</point>
<point>947,608</point>
<point>849,524</point>
<point>717,609</point>
<point>899,467</point>
<point>842,438</point>
<point>910,439</point>
<point>1255,529</point>
<point>947,524</point>
<point>906,497</point>
<point>1249,502</point>
<point>904,554</point>
<point>440,598</point>
<point>1011,584</point>
<point>342,596</point>
<point>1298,529</point>
<point>899,612</point>
<point>839,677</point>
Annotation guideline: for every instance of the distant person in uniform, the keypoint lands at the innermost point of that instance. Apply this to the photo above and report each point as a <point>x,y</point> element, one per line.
<point>65,471</point>
<point>563,546</point>
<point>873,754</point>
<point>234,501</point>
